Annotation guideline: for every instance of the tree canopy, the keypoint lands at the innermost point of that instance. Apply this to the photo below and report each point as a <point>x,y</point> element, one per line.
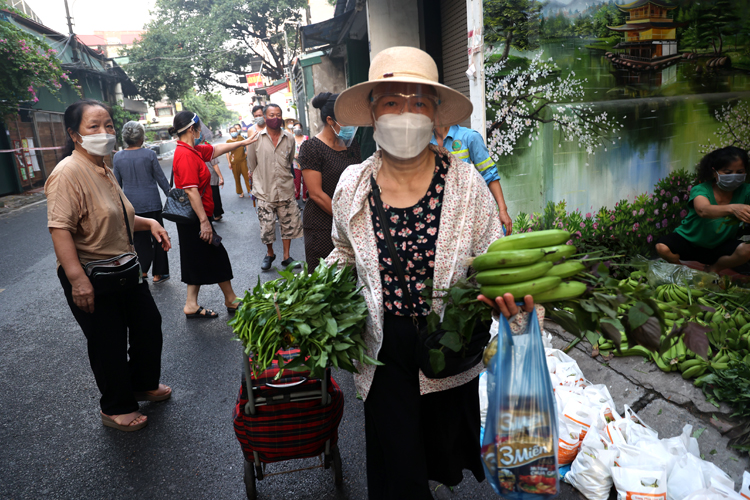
<point>27,64</point>
<point>210,107</point>
<point>210,43</point>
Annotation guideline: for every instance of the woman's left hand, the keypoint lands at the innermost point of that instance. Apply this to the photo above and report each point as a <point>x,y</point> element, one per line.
<point>506,305</point>
<point>251,138</point>
<point>221,181</point>
<point>161,235</point>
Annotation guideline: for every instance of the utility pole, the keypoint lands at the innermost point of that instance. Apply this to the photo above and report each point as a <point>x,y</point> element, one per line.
<point>70,19</point>
<point>71,35</point>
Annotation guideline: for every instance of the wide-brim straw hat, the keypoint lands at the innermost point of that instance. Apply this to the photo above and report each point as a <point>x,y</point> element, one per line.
<point>401,65</point>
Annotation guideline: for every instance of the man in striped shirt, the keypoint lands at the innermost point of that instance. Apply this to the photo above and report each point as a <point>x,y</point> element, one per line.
<point>467,145</point>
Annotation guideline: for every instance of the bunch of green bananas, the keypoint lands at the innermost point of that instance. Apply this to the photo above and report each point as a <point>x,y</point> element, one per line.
<point>524,264</point>
<point>695,367</point>
<point>669,361</point>
<point>606,345</point>
<point>676,293</point>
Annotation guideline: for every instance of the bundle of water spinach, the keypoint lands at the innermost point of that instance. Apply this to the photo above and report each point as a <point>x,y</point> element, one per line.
<point>321,313</point>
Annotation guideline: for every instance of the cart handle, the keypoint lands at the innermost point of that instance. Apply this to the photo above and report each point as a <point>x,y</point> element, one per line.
<point>290,384</point>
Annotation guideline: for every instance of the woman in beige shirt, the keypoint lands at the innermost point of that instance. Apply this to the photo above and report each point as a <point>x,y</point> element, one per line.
<point>86,218</point>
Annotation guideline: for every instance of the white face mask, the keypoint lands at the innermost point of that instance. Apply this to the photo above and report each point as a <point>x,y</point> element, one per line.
<point>403,136</point>
<point>98,144</point>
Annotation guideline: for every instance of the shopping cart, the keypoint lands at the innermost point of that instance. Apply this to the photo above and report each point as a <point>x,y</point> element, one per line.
<point>290,418</point>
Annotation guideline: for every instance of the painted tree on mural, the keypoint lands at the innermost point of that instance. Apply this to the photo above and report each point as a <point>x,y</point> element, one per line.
<point>512,23</point>
<point>734,129</point>
<point>708,24</point>
<point>521,100</point>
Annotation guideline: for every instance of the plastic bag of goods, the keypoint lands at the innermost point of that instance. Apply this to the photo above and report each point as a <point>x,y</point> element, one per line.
<point>574,423</point>
<point>745,490</point>
<point>591,471</point>
<point>640,484</point>
<point>716,492</point>
<point>685,478</point>
<point>519,447</point>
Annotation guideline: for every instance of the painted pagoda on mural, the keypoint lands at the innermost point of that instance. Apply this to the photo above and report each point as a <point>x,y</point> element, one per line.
<point>650,36</point>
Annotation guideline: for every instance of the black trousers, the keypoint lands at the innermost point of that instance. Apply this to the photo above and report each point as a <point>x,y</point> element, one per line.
<point>411,438</point>
<point>118,320</point>
<point>149,250</point>
<point>218,208</point>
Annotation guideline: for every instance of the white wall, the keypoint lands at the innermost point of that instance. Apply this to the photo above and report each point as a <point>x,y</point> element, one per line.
<point>392,23</point>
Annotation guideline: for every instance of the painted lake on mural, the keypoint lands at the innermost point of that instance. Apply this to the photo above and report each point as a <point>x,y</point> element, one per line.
<point>666,115</point>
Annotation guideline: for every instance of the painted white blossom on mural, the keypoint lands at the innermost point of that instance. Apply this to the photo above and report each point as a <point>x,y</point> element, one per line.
<point>734,129</point>
<point>525,99</point>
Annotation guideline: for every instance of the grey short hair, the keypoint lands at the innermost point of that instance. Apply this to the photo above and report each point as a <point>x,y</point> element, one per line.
<point>133,133</point>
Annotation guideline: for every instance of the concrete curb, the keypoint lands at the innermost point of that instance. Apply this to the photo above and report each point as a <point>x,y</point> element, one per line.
<point>22,207</point>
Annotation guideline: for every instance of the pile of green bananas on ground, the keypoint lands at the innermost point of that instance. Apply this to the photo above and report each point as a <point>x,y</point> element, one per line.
<point>530,264</point>
<point>729,339</point>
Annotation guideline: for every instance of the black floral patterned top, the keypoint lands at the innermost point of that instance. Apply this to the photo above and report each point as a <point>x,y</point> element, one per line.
<point>414,231</point>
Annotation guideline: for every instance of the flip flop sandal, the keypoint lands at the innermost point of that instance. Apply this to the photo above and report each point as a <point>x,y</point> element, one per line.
<point>164,277</point>
<point>197,314</point>
<point>154,395</point>
<point>110,422</point>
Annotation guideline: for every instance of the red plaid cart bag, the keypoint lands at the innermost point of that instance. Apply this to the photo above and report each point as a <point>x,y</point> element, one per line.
<point>283,430</point>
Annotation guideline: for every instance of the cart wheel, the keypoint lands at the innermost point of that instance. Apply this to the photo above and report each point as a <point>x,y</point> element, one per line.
<point>259,472</point>
<point>252,494</point>
<point>338,473</point>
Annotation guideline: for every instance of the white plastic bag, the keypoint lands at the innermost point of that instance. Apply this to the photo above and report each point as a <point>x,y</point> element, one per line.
<point>745,490</point>
<point>590,473</point>
<point>647,455</point>
<point>483,402</point>
<point>639,484</point>
<point>569,374</point>
<point>635,429</point>
<point>568,442</point>
<point>713,476</point>
<point>685,478</point>
<point>717,492</point>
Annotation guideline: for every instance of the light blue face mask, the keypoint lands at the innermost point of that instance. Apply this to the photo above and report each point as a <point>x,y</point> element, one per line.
<point>233,134</point>
<point>346,134</point>
<point>729,182</point>
<point>199,139</point>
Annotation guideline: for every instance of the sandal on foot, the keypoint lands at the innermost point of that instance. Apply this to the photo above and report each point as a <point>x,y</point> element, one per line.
<point>164,392</point>
<point>232,310</point>
<point>162,277</point>
<point>129,426</point>
<point>209,314</point>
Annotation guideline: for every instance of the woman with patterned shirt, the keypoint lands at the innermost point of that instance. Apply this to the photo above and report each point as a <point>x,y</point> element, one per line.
<point>440,213</point>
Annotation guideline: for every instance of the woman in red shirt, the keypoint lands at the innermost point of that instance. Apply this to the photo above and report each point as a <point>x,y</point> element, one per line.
<point>203,259</point>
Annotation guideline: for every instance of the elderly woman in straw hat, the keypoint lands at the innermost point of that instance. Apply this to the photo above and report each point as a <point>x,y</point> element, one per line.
<point>439,213</point>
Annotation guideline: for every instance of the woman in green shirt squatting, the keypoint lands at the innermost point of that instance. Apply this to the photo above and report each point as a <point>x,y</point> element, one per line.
<point>707,234</point>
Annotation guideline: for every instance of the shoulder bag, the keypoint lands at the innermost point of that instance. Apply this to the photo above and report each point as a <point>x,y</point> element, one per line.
<point>116,274</point>
<point>177,207</point>
<point>455,362</point>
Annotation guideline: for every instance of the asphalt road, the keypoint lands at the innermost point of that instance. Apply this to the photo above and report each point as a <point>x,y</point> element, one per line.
<point>52,442</point>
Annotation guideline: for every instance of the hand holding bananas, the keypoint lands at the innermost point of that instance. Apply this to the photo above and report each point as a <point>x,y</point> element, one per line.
<point>323,314</point>
<point>529,264</point>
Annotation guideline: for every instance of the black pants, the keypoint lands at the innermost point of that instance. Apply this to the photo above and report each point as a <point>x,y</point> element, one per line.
<point>218,208</point>
<point>118,320</point>
<point>411,438</point>
<point>149,250</point>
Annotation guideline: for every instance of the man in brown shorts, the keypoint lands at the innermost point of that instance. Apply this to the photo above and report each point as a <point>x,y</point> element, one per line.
<point>270,163</point>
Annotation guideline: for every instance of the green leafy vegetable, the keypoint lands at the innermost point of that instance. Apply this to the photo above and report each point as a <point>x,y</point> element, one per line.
<point>322,314</point>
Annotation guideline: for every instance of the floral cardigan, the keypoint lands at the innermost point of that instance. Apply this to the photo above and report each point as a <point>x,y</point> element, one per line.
<point>468,224</point>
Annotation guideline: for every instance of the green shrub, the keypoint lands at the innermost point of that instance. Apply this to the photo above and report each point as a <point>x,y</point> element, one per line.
<point>628,229</point>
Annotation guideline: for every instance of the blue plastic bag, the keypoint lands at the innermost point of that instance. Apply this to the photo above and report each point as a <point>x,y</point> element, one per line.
<point>519,446</point>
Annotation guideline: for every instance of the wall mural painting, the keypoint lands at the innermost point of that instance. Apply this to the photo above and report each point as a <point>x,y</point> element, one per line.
<point>593,101</point>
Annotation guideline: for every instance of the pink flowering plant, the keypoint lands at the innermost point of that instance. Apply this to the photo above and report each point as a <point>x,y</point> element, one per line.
<point>629,228</point>
<point>27,64</point>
